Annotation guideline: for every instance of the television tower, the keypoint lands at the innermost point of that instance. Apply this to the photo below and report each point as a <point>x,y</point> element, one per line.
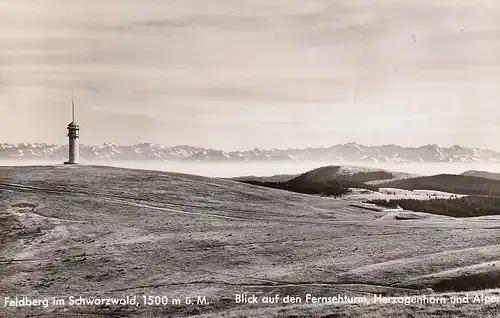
<point>73,136</point>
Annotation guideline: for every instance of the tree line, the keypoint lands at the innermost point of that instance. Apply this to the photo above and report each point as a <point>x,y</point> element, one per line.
<point>468,206</point>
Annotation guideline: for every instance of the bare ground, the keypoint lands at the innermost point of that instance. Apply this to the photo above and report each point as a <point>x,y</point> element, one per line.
<point>101,232</point>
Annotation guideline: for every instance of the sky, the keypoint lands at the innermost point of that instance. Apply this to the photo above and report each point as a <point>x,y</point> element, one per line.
<point>241,74</point>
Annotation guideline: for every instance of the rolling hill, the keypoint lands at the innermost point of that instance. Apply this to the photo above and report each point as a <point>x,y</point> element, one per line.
<point>99,232</point>
<point>275,178</point>
<point>328,180</point>
<point>337,173</point>
<point>482,174</point>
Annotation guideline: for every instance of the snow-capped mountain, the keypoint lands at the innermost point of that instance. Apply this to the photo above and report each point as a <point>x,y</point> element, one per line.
<point>350,152</point>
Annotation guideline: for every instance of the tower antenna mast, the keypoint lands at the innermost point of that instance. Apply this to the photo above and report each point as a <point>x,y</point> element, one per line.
<point>73,105</point>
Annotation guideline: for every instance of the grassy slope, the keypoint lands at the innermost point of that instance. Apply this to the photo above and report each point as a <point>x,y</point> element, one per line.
<point>116,232</point>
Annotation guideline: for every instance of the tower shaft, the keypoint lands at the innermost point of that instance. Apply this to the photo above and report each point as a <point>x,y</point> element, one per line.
<point>74,151</point>
<point>73,136</point>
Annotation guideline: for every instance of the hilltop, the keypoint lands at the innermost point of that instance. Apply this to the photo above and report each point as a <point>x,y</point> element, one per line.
<point>482,174</point>
<point>102,231</point>
<point>329,180</point>
<point>346,173</point>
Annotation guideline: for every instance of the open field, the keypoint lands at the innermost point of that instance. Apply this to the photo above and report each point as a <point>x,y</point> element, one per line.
<point>394,194</point>
<point>99,232</point>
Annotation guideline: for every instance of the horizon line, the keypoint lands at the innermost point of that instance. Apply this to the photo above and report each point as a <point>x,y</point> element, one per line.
<point>250,149</point>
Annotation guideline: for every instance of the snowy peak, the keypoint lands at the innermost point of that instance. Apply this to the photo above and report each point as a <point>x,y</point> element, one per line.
<point>349,152</point>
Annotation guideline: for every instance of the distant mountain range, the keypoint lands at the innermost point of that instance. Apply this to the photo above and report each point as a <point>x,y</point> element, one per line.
<point>350,152</point>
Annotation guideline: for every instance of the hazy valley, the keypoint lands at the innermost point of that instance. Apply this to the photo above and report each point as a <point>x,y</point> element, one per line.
<point>237,169</point>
